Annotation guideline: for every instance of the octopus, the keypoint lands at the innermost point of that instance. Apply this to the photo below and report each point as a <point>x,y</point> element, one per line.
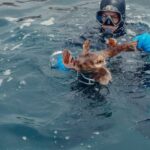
<point>95,62</point>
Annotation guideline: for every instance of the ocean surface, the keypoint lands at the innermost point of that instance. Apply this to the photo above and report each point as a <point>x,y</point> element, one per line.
<point>43,108</point>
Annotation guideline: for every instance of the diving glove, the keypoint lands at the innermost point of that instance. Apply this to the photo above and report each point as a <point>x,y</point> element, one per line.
<point>143,41</point>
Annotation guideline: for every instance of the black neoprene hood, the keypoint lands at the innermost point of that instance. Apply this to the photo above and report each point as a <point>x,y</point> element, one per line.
<point>118,6</point>
<point>114,5</point>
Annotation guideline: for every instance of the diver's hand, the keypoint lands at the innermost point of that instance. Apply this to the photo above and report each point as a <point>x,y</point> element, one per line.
<point>143,41</point>
<point>56,61</point>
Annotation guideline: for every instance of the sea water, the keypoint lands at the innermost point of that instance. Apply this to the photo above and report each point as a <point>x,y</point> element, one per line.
<point>43,108</point>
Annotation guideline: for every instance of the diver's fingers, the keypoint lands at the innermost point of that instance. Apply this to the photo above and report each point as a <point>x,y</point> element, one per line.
<point>86,47</point>
<point>68,60</point>
<point>66,56</point>
<point>111,42</point>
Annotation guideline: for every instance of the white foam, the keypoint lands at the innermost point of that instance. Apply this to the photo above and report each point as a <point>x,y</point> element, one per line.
<point>147,72</point>
<point>23,82</point>
<point>13,35</point>
<point>67,137</point>
<point>1,81</point>
<point>9,79</point>
<point>55,132</point>
<point>27,23</point>
<point>17,46</point>
<point>51,35</point>
<point>24,138</point>
<point>29,20</point>
<point>5,48</point>
<point>96,132</point>
<point>11,19</point>
<point>25,36</point>
<point>130,32</point>
<point>7,72</point>
<point>127,7</point>
<point>48,22</point>
<point>89,146</point>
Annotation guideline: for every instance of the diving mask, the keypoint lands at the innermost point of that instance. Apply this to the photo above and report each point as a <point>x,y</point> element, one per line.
<point>108,18</point>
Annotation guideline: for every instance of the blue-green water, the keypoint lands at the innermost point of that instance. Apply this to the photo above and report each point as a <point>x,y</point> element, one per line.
<point>40,108</point>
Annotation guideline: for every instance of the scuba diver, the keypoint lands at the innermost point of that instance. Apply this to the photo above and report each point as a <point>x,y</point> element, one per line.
<point>111,20</point>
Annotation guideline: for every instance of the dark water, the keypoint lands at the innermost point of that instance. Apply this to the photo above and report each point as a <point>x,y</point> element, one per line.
<point>43,109</point>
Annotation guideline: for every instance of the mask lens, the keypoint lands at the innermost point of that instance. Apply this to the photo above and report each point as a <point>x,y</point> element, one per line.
<point>105,18</point>
<point>99,17</point>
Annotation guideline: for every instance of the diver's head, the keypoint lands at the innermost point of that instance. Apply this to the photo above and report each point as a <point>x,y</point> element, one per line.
<point>111,17</point>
